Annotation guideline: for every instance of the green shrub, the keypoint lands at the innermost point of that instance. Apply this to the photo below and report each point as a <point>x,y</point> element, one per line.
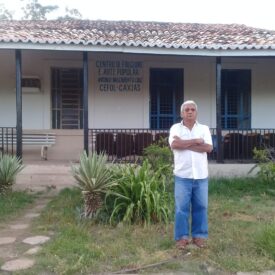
<point>10,166</point>
<point>160,157</point>
<point>140,195</point>
<point>265,163</point>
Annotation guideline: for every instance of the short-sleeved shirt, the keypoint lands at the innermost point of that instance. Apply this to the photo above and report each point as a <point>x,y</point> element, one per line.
<point>187,163</point>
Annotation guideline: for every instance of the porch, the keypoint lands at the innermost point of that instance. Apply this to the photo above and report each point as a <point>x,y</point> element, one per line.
<point>236,146</point>
<point>127,145</point>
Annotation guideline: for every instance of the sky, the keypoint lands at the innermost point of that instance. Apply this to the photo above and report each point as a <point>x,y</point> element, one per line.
<point>254,13</point>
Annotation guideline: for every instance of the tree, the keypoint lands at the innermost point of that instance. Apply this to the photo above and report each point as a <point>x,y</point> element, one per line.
<point>35,11</point>
<point>4,13</point>
<point>70,14</point>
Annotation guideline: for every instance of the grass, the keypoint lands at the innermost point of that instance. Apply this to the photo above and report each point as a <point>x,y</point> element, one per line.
<point>239,211</point>
<point>13,202</point>
<point>241,227</point>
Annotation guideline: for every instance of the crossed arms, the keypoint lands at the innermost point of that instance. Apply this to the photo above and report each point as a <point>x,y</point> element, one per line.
<point>196,145</point>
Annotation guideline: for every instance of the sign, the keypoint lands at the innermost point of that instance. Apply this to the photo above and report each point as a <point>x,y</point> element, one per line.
<point>119,76</point>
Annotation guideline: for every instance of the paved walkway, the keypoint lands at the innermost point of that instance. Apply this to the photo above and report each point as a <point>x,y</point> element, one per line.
<point>17,244</point>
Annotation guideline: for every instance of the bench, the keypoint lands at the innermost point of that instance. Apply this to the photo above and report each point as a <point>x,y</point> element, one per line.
<point>44,140</point>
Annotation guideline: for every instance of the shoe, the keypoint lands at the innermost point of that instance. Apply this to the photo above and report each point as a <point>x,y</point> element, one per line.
<point>199,242</point>
<point>182,243</point>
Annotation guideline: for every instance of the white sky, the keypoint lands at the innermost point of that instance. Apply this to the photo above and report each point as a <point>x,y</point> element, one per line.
<point>255,13</point>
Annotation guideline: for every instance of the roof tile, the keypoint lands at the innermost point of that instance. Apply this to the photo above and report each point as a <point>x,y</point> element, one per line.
<point>134,33</point>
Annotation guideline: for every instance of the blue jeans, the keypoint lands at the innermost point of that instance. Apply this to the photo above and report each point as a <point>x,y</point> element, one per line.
<point>191,196</point>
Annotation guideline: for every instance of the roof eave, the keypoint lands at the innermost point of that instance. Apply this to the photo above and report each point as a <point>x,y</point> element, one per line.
<point>192,51</point>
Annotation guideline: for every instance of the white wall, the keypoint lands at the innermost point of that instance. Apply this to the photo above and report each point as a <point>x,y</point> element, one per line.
<point>119,109</point>
<point>263,95</point>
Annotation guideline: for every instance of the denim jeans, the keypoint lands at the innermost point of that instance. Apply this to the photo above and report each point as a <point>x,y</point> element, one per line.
<point>191,196</point>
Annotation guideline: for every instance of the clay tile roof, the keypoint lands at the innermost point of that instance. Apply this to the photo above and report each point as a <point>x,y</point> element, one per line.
<point>137,34</point>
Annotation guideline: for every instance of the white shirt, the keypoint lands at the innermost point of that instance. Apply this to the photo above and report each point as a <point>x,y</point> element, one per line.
<point>187,163</point>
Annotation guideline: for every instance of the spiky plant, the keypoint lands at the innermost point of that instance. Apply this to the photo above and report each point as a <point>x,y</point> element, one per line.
<point>94,178</point>
<point>10,166</point>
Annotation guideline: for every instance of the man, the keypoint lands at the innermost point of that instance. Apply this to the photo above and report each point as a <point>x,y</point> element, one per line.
<point>190,142</point>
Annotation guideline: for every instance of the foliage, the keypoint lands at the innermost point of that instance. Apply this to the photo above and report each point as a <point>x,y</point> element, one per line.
<point>92,173</point>
<point>94,178</point>
<point>266,164</point>
<point>35,11</point>
<point>10,166</point>
<point>4,13</point>
<point>140,195</point>
<point>160,156</point>
<point>70,14</point>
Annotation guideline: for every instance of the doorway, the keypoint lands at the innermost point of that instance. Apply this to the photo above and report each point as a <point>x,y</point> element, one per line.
<point>67,98</point>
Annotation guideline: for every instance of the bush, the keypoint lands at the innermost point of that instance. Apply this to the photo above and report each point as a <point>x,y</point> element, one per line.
<point>140,195</point>
<point>160,156</point>
<point>265,163</point>
<point>10,166</point>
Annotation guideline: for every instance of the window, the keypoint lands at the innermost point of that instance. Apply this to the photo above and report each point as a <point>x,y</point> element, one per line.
<point>236,98</point>
<point>31,84</point>
<point>166,95</point>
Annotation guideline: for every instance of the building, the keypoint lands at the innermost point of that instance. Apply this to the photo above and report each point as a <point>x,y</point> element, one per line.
<point>71,78</point>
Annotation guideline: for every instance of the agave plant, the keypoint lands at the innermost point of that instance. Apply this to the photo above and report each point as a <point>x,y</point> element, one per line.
<point>10,166</point>
<point>94,178</point>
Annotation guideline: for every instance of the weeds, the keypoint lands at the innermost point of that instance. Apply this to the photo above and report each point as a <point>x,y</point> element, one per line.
<point>13,202</point>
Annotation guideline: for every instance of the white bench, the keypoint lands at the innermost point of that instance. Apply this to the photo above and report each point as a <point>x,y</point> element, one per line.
<point>44,140</point>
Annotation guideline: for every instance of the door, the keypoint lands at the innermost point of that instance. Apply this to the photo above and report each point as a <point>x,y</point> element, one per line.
<point>67,98</point>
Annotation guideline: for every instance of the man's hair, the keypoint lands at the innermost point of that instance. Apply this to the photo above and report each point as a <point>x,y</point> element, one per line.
<point>187,102</point>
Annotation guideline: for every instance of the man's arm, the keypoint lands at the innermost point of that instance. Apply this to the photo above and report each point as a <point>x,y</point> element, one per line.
<point>201,148</point>
<point>196,145</point>
<point>181,144</point>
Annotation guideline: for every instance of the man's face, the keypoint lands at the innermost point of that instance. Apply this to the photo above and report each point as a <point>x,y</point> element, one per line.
<point>189,112</point>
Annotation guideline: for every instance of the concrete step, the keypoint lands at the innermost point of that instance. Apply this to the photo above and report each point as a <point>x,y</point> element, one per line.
<point>44,175</point>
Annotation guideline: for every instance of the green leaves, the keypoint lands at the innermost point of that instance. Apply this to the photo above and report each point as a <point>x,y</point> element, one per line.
<point>266,164</point>
<point>139,196</point>
<point>92,173</point>
<point>10,166</point>
<point>95,179</point>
